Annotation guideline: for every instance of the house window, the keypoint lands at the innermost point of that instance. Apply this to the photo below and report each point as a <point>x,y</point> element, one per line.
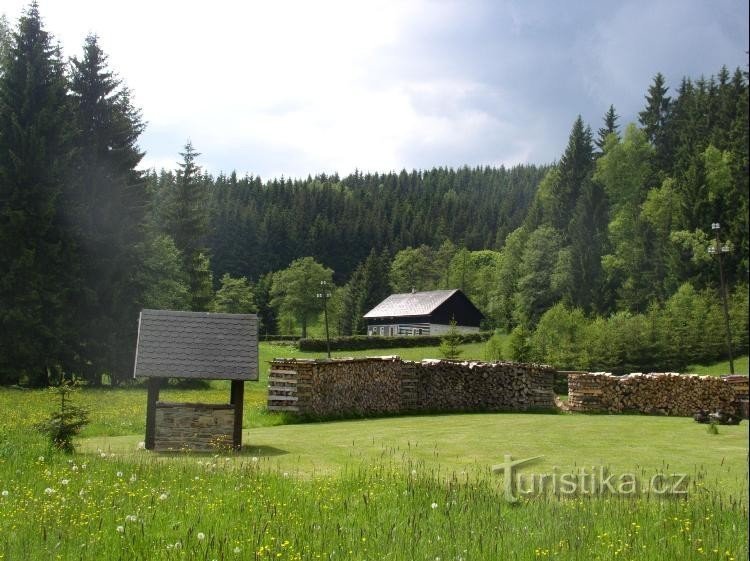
<point>382,330</point>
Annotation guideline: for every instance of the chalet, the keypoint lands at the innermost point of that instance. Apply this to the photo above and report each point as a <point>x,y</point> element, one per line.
<point>423,313</point>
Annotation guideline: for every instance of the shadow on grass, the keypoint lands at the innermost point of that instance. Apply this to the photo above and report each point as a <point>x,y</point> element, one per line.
<point>248,450</point>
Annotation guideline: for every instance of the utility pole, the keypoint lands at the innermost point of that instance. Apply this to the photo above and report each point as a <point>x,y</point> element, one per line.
<point>718,249</point>
<point>325,295</point>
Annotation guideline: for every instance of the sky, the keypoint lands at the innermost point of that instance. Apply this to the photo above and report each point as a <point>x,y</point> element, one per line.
<point>297,88</point>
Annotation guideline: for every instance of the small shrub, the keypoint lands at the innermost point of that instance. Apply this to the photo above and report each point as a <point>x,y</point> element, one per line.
<point>449,344</point>
<point>64,424</point>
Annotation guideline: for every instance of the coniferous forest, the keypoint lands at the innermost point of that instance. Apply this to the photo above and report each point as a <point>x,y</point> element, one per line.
<point>599,260</point>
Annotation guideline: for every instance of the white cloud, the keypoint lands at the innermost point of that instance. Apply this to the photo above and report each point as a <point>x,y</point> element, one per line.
<point>298,87</point>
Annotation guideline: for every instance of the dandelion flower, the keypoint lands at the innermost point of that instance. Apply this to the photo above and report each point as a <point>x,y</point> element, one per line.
<point>201,536</point>
<point>120,529</point>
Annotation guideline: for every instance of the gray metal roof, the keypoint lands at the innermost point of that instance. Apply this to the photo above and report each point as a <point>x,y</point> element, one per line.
<point>410,304</point>
<point>197,345</point>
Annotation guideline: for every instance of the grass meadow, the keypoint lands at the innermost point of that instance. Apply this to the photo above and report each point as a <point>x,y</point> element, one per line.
<point>400,488</point>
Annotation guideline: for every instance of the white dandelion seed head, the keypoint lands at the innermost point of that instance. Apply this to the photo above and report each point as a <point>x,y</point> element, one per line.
<point>201,536</point>
<point>64,481</point>
<point>254,459</point>
<point>237,549</point>
<point>120,529</point>
<point>131,518</point>
<point>141,445</point>
<point>414,472</point>
<point>103,455</point>
<point>434,506</point>
<point>49,491</point>
<point>163,497</point>
<point>5,493</point>
<point>133,478</point>
<point>119,474</point>
<point>40,458</point>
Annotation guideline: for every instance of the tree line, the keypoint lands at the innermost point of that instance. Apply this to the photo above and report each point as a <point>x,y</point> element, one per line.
<point>611,233</point>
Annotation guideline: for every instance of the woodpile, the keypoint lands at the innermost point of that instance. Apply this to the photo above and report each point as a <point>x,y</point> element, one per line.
<point>652,394</point>
<point>383,385</point>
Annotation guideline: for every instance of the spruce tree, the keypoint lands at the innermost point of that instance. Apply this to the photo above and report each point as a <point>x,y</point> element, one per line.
<point>38,260</point>
<point>655,119</point>
<point>185,219</point>
<point>610,127</point>
<point>110,199</point>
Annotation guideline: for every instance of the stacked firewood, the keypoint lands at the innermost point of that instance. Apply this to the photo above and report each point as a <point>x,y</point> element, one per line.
<point>373,386</point>
<point>654,394</point>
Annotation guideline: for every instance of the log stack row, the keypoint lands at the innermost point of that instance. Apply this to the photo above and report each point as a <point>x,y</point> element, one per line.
<point>387,385</point>
<point>652,394</point>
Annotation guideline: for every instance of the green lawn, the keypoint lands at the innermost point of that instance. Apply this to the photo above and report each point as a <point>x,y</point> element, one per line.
<point>721,368</point>
<point>474,442</point>
<point>399,488</point>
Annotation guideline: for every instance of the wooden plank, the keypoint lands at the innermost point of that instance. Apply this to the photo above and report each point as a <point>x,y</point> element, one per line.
<point>290,372</point>
<point>151,399</point>
<point>282,398</point>
<point>282,380</point>
<point>237,398</point>
<point>283,408</point>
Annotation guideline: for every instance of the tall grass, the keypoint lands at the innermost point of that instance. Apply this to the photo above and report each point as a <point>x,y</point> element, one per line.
<point>54,506</point>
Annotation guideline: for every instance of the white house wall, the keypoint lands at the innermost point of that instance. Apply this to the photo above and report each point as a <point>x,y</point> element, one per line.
<point>396,329</point>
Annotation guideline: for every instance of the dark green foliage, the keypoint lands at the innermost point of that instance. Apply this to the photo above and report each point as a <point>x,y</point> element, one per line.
<point>369,285</point>
<point>363,342</point>
<point>110,202</point>
<point>610,127</point>
<point>258,227</point>
<point>63,424</point>
<point>39,280</point>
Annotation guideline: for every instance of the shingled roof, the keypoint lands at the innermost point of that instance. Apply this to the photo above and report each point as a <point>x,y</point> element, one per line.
<point>197,345</point>
<point>410,304</point>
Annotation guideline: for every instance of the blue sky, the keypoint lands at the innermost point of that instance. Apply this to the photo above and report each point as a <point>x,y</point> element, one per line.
<point>299,87</point>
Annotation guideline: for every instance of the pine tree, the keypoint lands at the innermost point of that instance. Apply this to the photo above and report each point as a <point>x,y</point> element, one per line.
<point>38,261</point>
<point>110,199</point>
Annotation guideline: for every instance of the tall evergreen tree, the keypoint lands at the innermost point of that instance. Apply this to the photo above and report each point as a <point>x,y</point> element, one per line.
<point>38,261</point>
<point>110,199</point>
<point>655,118</point>
<point>185,218</point>
<point>610,127</point>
